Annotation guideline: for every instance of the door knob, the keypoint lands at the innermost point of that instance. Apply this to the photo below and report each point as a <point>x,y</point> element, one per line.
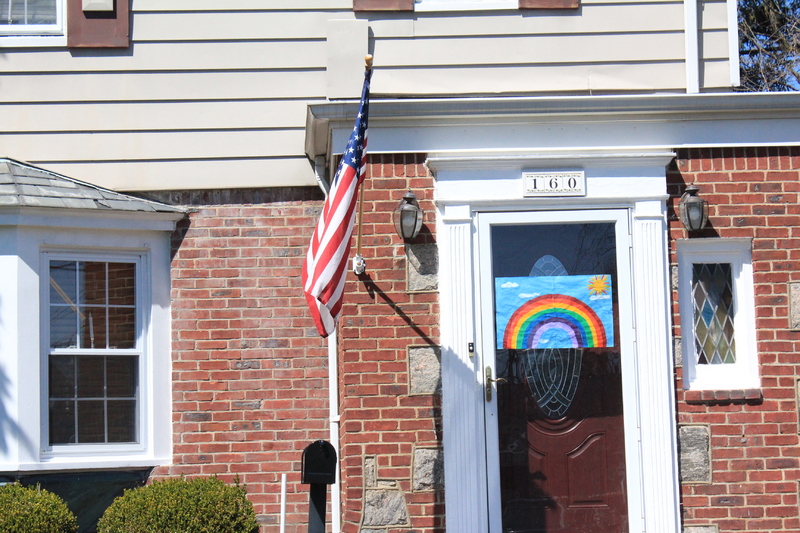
<point>489,381</point>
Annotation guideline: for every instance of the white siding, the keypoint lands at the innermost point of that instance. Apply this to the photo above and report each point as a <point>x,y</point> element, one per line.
<point>213,93</point>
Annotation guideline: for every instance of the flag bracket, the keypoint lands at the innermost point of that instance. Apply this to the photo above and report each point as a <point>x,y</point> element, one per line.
<point>359,265</point>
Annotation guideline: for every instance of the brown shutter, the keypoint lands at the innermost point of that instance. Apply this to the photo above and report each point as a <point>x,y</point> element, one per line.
<point>549,4</point>
<point>383,5</point>
<point>98,29</point>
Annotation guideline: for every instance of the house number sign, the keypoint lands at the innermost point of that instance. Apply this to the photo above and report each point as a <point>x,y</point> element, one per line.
<point>554,184</point>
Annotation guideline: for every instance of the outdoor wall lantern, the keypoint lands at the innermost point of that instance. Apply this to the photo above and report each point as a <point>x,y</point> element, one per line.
<point>693,209</point>
<point>408,217</point>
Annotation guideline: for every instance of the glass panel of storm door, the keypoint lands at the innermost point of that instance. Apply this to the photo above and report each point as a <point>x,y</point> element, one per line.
<point>561,439</point>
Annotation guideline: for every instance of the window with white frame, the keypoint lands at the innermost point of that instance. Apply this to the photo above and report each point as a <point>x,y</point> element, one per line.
<point>717,309</point>
<point>95,349</point>
<point>31,17</point>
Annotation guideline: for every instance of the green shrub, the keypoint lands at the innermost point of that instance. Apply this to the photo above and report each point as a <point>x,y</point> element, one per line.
<point>203,505</point>
<point>33,510</point>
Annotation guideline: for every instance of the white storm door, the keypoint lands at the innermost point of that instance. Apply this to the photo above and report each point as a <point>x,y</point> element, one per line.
<point>557,364</point>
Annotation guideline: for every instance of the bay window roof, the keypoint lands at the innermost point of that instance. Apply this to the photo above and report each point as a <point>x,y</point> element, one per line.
<point>25,185</point>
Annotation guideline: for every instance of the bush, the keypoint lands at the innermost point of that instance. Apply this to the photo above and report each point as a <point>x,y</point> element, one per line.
<point>33,510</point>
<point>203,505</point>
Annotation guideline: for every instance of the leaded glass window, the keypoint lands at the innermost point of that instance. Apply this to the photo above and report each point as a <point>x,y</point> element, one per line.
<point>717,302</point>
<point>712,296</point>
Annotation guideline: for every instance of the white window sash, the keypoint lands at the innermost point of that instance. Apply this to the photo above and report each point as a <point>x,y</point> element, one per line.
<point>59,451</point>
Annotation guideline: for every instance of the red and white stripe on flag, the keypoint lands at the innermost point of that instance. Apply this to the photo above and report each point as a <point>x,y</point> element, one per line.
<point>325,268</point>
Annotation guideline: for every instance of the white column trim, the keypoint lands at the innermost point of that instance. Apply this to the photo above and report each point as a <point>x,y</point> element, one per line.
<point>656,394</point>
<point>462,407</point>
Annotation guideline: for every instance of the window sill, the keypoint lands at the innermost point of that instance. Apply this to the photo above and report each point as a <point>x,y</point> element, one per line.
<point>86,463</point>
<point>33,41</point>
<point>713,397</point>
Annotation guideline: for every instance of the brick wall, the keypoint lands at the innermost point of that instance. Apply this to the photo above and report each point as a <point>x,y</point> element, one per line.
<point>754,449</point>
<point>385,428</point>
<point>250,373</point>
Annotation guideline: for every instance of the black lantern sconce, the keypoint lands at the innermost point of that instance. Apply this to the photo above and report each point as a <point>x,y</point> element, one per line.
<point>693,209</point>
<point>408,217</point>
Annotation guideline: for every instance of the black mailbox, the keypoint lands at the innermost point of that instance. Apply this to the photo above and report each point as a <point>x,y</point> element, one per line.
<point>319,463</point>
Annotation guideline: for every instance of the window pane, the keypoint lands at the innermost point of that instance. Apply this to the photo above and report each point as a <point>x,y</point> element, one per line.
<point>121,377</point>
<point>93,283</point>
<point>712,295</point>
<point>121,421</point>
<point>63,289</point>
<point>91,373</point>
<point>62,377</point>
<point>62,422</point>
<point>122,327</point>
<point>63,327</point>
<point>93,327</point>
<point>27,11</point>
<point>91,421</point>
<point>121,286</point>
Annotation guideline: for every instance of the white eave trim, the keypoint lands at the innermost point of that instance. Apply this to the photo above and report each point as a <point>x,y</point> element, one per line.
<point>727,119</point>
<point>549,160</point>
<point>89,218</point>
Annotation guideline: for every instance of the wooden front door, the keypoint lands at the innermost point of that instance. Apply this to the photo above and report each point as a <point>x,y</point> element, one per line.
<point>553,378</point>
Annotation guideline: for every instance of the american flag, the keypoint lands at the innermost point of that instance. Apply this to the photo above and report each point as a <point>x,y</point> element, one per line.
<point>325,268</point>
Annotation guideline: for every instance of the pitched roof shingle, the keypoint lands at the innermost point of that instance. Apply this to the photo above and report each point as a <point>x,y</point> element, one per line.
<point>24,185</point>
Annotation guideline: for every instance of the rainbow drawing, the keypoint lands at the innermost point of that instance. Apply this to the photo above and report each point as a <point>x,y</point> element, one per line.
<point>539,319</point>
<point>554,312</point>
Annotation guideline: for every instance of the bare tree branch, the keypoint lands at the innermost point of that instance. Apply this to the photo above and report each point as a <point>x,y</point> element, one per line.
<point>769,45</point>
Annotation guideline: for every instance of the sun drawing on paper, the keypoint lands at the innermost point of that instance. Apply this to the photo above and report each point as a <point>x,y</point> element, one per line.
<point>554,312</point>
<point>598,285</point>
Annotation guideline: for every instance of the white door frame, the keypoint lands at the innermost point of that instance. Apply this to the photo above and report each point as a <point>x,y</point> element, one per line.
<point>633,183</point>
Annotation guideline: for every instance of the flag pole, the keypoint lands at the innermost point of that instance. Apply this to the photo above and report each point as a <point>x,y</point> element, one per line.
<point>359,265</point>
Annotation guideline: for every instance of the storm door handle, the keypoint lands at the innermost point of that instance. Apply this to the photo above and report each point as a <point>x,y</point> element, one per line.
<point>489,381</point>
